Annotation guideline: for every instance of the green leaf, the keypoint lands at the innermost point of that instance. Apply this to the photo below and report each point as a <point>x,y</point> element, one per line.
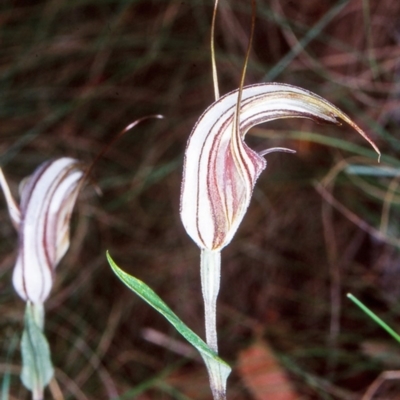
<point>37,368</point>
<point>216,366</point>
<point>373,316</point>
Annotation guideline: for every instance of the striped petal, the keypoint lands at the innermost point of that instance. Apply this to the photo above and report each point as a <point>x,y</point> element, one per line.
<point>47,199</point>
<point>220,170</point>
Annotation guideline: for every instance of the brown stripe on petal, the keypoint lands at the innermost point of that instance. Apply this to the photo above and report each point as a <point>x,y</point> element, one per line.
<point>51,258</point>
<point>38,230</point>
<point>198,201</point>
<point>26,195</point>
<point>213,189</point>
<point>274,115</point>
<point>51,246</point>
<point>30,185</point>
<point>21,244</point>
<point>67,208</point>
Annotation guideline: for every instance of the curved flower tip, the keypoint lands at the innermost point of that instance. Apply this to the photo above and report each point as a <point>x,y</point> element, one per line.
<point>42,220</point>
<point>220,170</point>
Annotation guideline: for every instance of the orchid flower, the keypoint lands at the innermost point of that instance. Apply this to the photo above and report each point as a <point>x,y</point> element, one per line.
<point>220,172</point>
<point>42,221</point>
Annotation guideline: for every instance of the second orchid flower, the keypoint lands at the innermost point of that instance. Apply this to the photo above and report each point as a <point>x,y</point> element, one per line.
<point>42,221</point>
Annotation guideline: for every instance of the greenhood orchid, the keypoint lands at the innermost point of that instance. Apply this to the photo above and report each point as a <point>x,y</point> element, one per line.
<point>42,221</point>
<point>220,170</point>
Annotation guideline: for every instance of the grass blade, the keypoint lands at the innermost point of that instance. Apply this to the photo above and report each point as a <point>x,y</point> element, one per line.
<point>373,316</point>
<point>217,368</point>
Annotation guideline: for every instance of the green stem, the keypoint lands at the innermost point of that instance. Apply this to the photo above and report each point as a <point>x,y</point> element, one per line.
<point>37,393</point>
<point>210,270</point>
<point>38,314</point>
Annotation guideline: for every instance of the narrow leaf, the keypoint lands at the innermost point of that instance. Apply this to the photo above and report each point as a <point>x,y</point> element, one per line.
<point>373,316</point>
<point>217,368</point>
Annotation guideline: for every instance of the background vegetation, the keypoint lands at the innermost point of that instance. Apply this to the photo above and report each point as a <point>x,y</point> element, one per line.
<point>74,73</point>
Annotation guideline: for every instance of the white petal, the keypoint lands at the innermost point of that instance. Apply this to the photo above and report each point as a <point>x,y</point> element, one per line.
<point>31,281</point>
<point>47,199</point>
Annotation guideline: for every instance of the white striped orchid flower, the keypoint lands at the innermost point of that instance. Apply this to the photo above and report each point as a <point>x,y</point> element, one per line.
<point>220,170</point>
<point>42,221</point>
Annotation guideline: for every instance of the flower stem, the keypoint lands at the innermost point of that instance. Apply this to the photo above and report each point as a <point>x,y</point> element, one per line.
<point>38,314</point>
<point>37,394</point>
<point>210,269</point>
